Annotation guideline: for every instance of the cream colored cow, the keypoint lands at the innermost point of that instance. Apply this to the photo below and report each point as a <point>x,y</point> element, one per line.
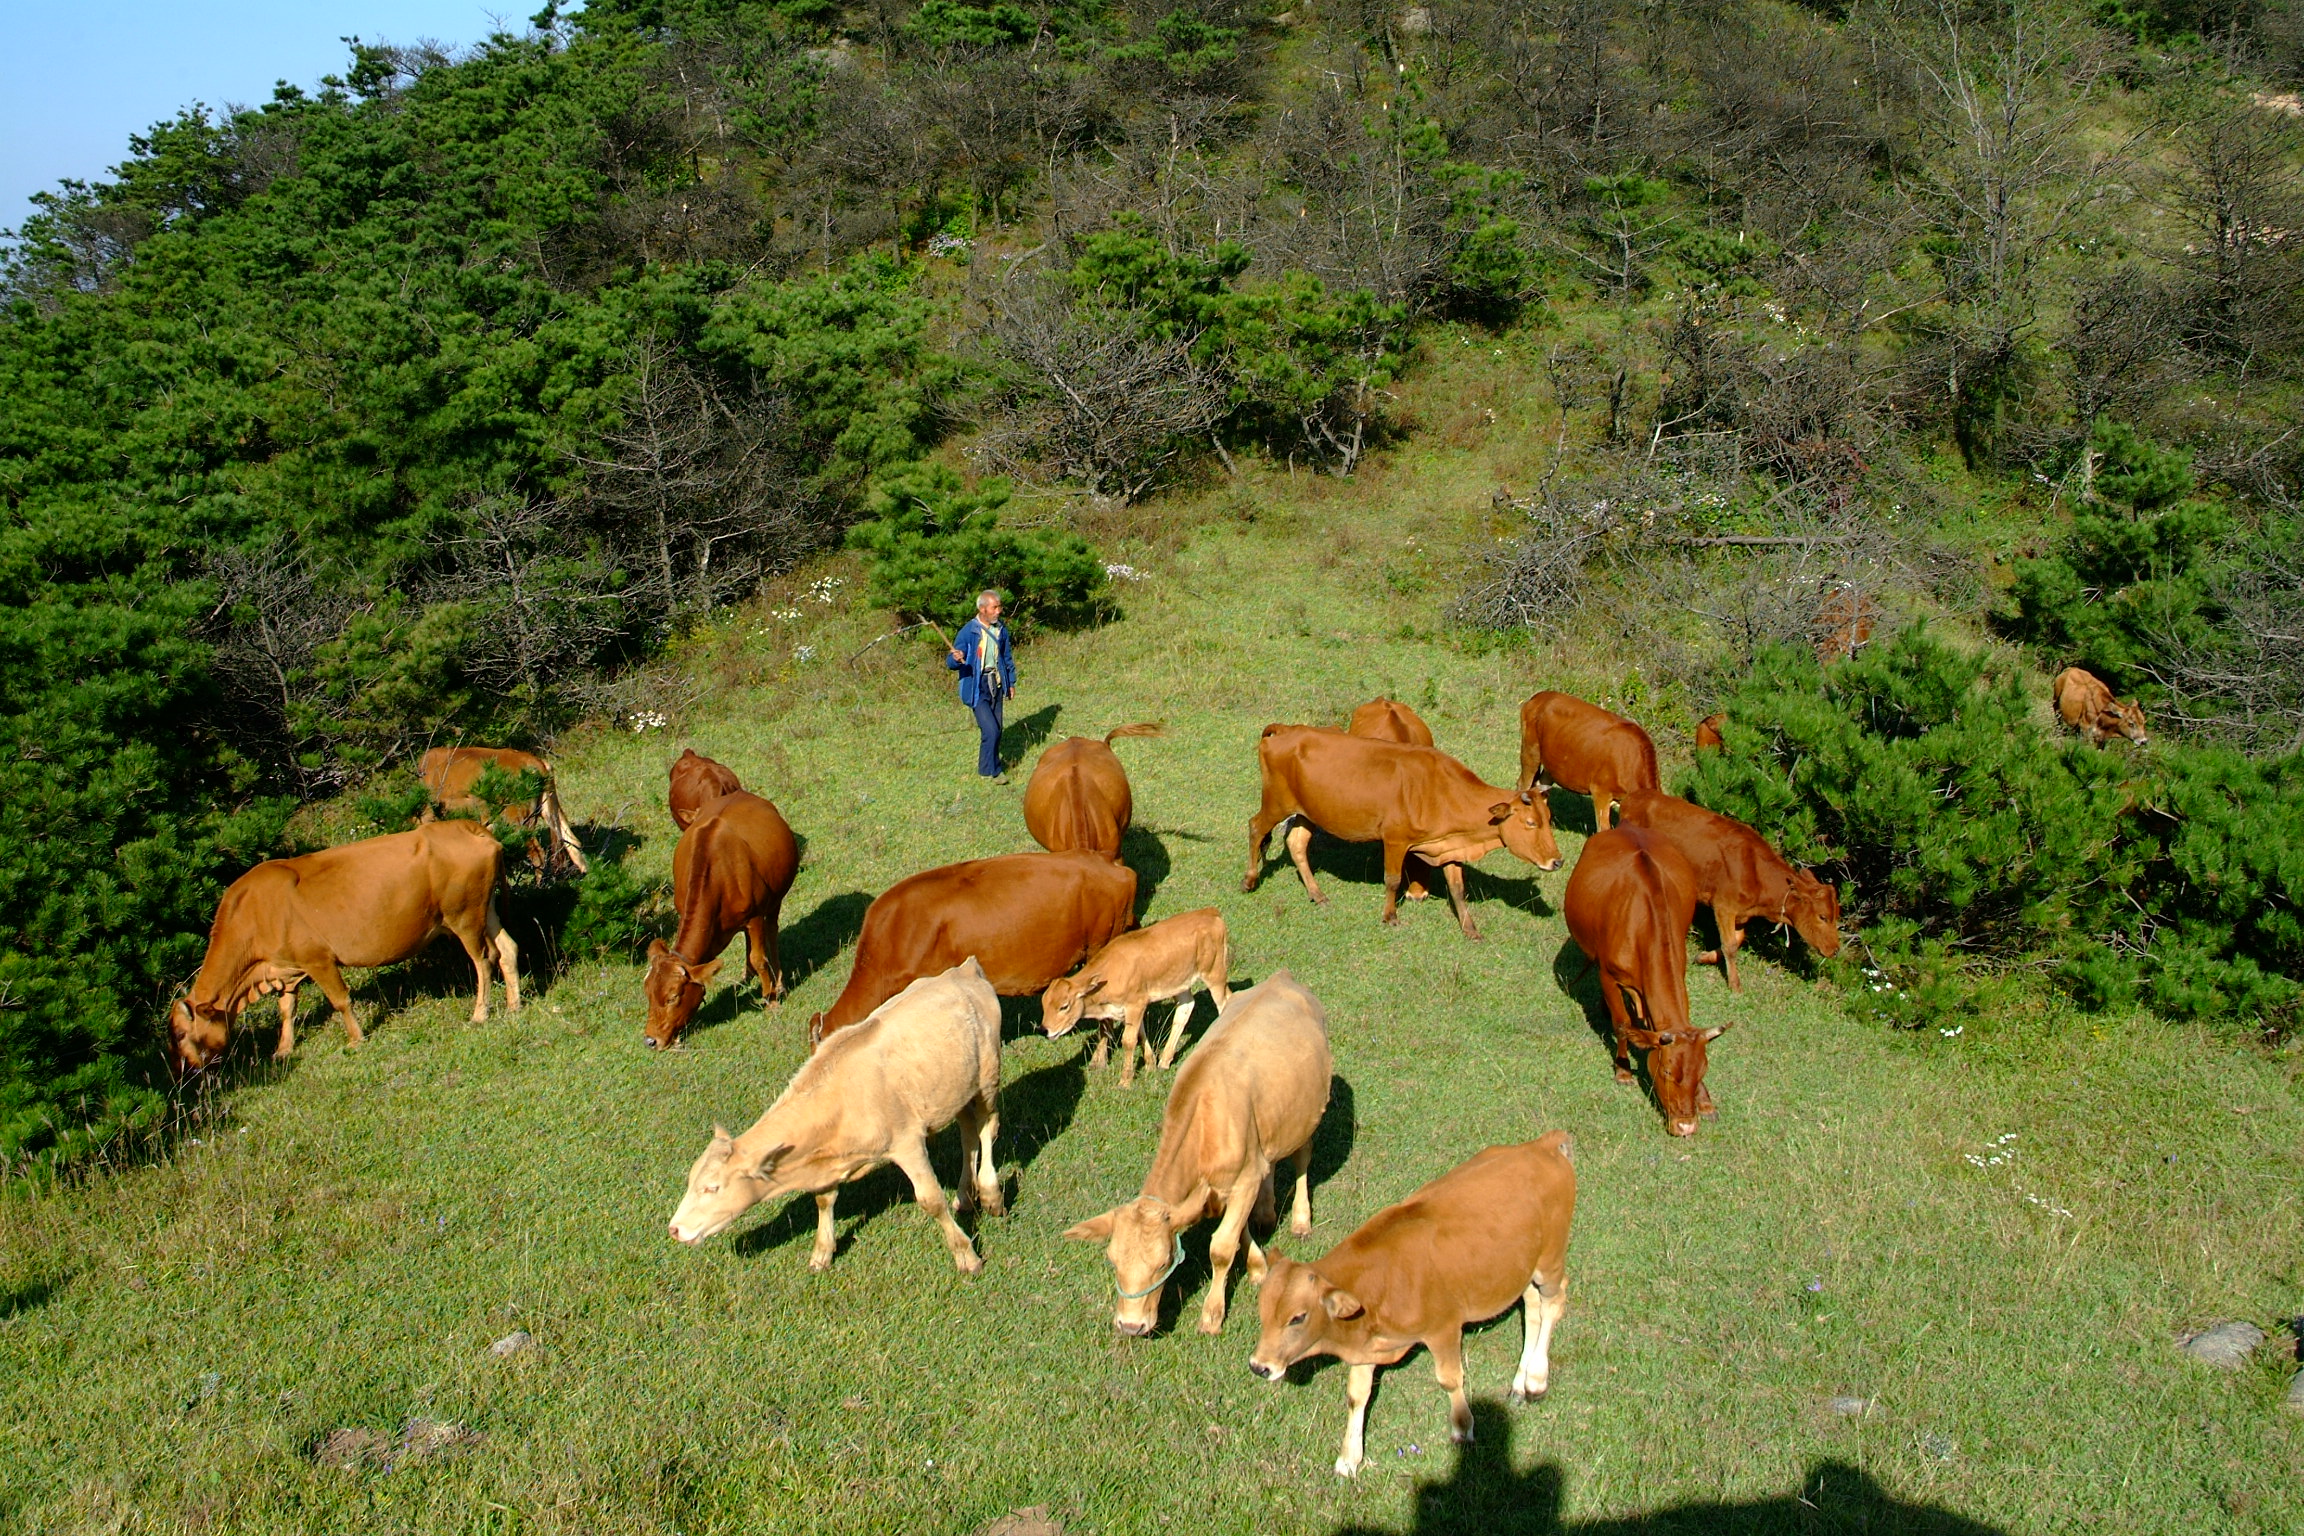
<point>1251,1093</point>
<point>871,1094</point>
<point>1136,970</point>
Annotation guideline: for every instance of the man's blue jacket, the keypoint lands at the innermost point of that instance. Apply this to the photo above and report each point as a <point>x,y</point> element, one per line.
<point>967,643</point>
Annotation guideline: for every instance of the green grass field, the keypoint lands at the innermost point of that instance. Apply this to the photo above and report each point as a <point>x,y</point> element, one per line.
<point>1994,1235</point>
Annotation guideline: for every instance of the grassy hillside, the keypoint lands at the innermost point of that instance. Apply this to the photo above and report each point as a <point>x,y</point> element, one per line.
<point>1992,1234</point>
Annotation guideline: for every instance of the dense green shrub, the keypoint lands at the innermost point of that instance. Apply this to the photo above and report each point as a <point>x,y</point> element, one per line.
<point>935,544</point>
<point>2131,582</point>
<point>615,914</point>
<point>1921,777</point>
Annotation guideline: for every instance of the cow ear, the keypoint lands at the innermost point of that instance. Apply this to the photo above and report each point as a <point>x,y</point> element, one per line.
<point>721,1140</point>
<point>1500,811</point>
<point>657,949</point>
<point>770,1158</point>
<point>1340,1303</point>
<point>702,974</point>
<point>1093,987</point>
<point>1096,1229</point>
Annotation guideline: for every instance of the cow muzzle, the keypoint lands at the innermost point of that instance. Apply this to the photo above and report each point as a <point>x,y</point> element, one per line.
<point>1265,1370</point>
<point>1127,1329</point>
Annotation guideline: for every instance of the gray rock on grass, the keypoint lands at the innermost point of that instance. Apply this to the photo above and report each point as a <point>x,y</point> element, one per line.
<point>511,1344</point>
<point>2296,1394</point>
<point>2225,1346</point>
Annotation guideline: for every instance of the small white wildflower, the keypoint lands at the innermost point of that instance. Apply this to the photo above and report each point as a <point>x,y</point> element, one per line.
<point>787,614</point>
<point>804,653</point>
<point>823,587</point>
<point>649,720</point>
<point>1953,1032</point>
<point>1124,573</point>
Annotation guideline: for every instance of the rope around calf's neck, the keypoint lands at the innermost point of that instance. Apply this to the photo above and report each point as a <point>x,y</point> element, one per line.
<point>1173,1265</point>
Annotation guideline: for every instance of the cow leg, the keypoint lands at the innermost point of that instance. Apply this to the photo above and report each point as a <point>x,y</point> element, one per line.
<point>1731,940</point>
<point>1131,1035</point>
<point>507,962</point>
<point>478,955</point>
<point>1540,1308</point>
<point>1185,1007</point>
<point>1618,1021</point>
<point>287,1024</point>
<point>1603,806</point>
<point>820,1256</point>
<point>979,1173</point>
<point>989,1199</point>
<point>1394,853</point>
<point>756,957</point>
<point>1299,842</point>
<point>1267,1214</point>
<point>1448,1369</point>
<point>768,924</point>
<point>1103,1042</point>
<point>1270,814</point>
<point>1455,874</point>
<point>911,1155</point>
<point>1359,1386</point>
<point>331,984</point>
<point>1221,1250</point>
<point>1300,1216</point>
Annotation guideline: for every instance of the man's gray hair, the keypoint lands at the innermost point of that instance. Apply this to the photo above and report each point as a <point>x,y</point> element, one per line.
<point>989,595</point>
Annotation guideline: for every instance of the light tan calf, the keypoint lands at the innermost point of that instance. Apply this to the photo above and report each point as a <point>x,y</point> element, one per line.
<point>1136,970</point>
<point>1251,1093</point>
<point>872,1093</point>
<point>2087,706</point>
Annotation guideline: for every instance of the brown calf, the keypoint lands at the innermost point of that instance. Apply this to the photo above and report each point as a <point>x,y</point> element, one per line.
<point>1584,748</point>
<point>1134,971</point>
<point>1844,622</point>
<point>449,774</point>
<point>1708,737</point>
<point>1408,798</point>
<point>1251,1093</point>
<point>374,902</point>
<point>1460,1250</point>
<point>1740,878</point>
<point>1628,905</point>
<point>2088,707</point>
<point>729,876</point>
<point>1078,800</point>
<point>697,781</point>
<point>1029,917</point>
<point>870,1095</point>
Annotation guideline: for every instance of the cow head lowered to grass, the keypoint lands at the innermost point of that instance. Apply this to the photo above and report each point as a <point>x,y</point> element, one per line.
<point>1144,1241</point>
<point>674,988</point>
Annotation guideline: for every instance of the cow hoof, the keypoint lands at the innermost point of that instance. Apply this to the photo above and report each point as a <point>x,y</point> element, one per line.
<point>1248,883</point>
<point>1624,1075</point>
<point>1347,1467</point>
<point>1460,1436</point>
<point>1526,1395</point>
<point>968,1262</point>
<point>1211,1323</point>
<point>992,1203</point>
<point>1301,1226</point>
<point>817,1264</point>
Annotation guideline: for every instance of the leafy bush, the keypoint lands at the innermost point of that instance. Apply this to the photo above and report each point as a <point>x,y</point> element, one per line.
<point>1920,777</point>
<point>615,915</point>
<point>2131,581</point>
<point>935,544</point>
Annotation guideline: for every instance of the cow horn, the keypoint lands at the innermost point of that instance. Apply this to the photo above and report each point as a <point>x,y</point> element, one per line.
<point>1706,1036</point>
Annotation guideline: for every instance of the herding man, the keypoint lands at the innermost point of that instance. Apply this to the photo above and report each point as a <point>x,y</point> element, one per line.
<point>987,669</point>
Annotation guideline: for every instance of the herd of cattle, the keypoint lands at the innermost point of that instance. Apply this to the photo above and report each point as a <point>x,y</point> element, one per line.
<point>912,1043</point>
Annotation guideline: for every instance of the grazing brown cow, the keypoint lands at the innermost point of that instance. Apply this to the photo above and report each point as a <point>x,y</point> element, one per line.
<point>374,902</point>
<point>1460,1250</point>
<point>1844,621</point>
<point>871,1095</point>
<point>1408,798</point>
<point>1078,801</point>
<point>1628,906</point>
<point>697,781</point>
<point>1740,878</point>
<point>1379,719</point>
<point>729,876</point>
<point>1251,1093</point>
<point>1708,737</point>
<point>1582,747</point>
<point>1134,971</point>
<point>449,774</point>
<point>2088,707</point>
<point>1029,917</point>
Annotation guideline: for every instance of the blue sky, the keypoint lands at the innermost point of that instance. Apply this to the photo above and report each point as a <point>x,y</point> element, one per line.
<point>77,78</point>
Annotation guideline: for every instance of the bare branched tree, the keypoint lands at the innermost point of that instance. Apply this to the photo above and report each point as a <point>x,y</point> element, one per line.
<point>2237,196</point>
<point>1088,394</point>
<point>698,484</point>
<point>542,604</point>
<point>276,606</point>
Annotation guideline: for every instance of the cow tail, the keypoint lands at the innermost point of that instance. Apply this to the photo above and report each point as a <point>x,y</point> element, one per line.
<point>1140,728</point>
